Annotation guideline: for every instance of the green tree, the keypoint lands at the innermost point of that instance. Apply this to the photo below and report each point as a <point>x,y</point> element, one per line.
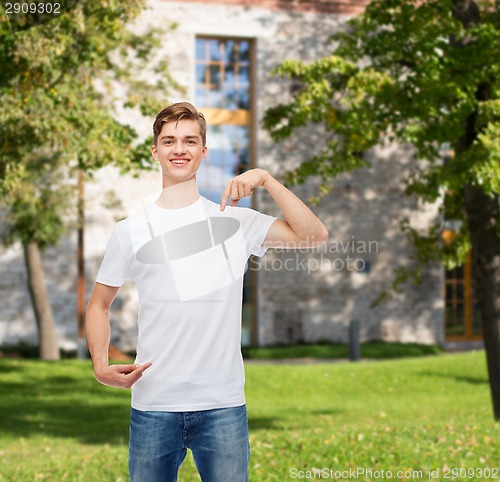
<point>428,74</point>
<point>57,90</point>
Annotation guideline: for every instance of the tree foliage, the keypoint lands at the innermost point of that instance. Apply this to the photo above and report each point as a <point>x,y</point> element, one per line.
<point>410,72</point>
<point>60,86</point>
<point>425,74</point>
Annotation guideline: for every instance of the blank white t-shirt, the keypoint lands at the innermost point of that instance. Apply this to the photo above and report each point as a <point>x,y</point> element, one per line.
<point>188,267</point>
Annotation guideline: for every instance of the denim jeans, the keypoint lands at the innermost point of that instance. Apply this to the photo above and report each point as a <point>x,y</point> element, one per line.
<point>218,439</point>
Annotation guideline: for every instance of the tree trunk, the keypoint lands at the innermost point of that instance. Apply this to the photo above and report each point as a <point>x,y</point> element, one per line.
<point>483,212</point>
<point>49,349</point>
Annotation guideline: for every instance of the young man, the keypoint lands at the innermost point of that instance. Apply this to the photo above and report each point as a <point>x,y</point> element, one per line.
<point>187,257</point>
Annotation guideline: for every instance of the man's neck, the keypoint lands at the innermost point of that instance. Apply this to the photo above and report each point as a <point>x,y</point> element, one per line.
<point>180,195</point>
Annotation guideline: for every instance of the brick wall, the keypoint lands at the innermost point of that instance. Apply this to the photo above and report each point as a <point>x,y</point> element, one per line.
<point>293,304</point>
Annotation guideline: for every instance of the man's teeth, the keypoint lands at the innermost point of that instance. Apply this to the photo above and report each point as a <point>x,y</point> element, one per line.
<point>179,162</point>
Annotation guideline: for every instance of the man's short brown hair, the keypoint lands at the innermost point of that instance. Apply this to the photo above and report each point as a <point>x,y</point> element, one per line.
<point>177,112</point>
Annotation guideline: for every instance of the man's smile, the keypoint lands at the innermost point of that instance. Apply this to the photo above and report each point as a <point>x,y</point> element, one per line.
<point>179,162</point>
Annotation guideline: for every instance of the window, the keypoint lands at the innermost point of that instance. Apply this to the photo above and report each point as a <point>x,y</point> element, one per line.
<point>224,96</point>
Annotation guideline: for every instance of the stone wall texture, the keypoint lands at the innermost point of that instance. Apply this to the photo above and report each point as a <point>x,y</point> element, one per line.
<point>306,295</point>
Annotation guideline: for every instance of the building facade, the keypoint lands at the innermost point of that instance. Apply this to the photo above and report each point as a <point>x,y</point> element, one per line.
<point>223,54</point>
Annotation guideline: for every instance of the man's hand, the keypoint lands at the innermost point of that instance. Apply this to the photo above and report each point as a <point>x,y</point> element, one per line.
<point>120,376</point>
<point>243,185</point>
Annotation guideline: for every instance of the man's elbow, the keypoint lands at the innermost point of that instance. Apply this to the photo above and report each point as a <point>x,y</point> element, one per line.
<point>322,236</point>
<point>318,238</point>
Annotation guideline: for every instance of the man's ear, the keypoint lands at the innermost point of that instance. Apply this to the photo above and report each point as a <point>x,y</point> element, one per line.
<point>205,151</point>
<point>154,152</point>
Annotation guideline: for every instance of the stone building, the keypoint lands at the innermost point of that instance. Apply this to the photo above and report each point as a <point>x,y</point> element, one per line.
<point>223,53</point>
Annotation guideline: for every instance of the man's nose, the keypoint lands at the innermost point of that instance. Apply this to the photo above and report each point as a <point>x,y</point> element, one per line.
<point>179,147</point>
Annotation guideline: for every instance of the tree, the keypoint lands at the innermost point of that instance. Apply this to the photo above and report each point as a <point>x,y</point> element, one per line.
<point>58,117</point>
<point>428,74</point>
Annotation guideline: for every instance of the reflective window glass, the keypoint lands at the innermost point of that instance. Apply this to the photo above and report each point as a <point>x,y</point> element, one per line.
<point>201,72</point>
<point>244,52</point>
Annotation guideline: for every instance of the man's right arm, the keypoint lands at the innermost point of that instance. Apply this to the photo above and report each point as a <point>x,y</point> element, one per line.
<point>98,332</point>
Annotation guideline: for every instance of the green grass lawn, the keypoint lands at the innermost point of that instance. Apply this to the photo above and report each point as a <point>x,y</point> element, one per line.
<point>372,350</point>
<point>432,413</point>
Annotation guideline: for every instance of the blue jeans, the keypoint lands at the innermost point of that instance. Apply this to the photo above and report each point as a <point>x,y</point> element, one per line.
<point>218,439</point>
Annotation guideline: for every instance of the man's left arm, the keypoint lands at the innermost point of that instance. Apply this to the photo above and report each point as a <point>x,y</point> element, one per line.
<point>300,228</point>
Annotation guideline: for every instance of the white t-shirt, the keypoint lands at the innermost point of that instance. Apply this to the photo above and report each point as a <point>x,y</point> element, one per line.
<point>188,267</point>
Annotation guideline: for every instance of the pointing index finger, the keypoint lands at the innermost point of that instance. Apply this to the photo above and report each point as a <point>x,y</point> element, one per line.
<point>225,196</point>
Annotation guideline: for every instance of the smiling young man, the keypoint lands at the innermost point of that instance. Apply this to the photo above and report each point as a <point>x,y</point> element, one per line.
<point>187,256</point>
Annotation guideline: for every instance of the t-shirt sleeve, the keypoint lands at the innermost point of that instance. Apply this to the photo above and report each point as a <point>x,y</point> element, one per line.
<point>255,226</point>
<point>114,270</point>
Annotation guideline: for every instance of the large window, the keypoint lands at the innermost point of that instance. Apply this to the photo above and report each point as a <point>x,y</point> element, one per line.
<point>224,96</point>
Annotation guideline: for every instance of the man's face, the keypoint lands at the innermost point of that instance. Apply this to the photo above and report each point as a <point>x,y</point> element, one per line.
<point>179,151</point>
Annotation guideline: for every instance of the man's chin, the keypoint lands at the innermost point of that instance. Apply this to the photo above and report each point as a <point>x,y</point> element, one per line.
<point>179,177</point>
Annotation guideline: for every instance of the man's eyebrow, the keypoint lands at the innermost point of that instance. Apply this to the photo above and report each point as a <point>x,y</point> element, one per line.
<point>173,137</point>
